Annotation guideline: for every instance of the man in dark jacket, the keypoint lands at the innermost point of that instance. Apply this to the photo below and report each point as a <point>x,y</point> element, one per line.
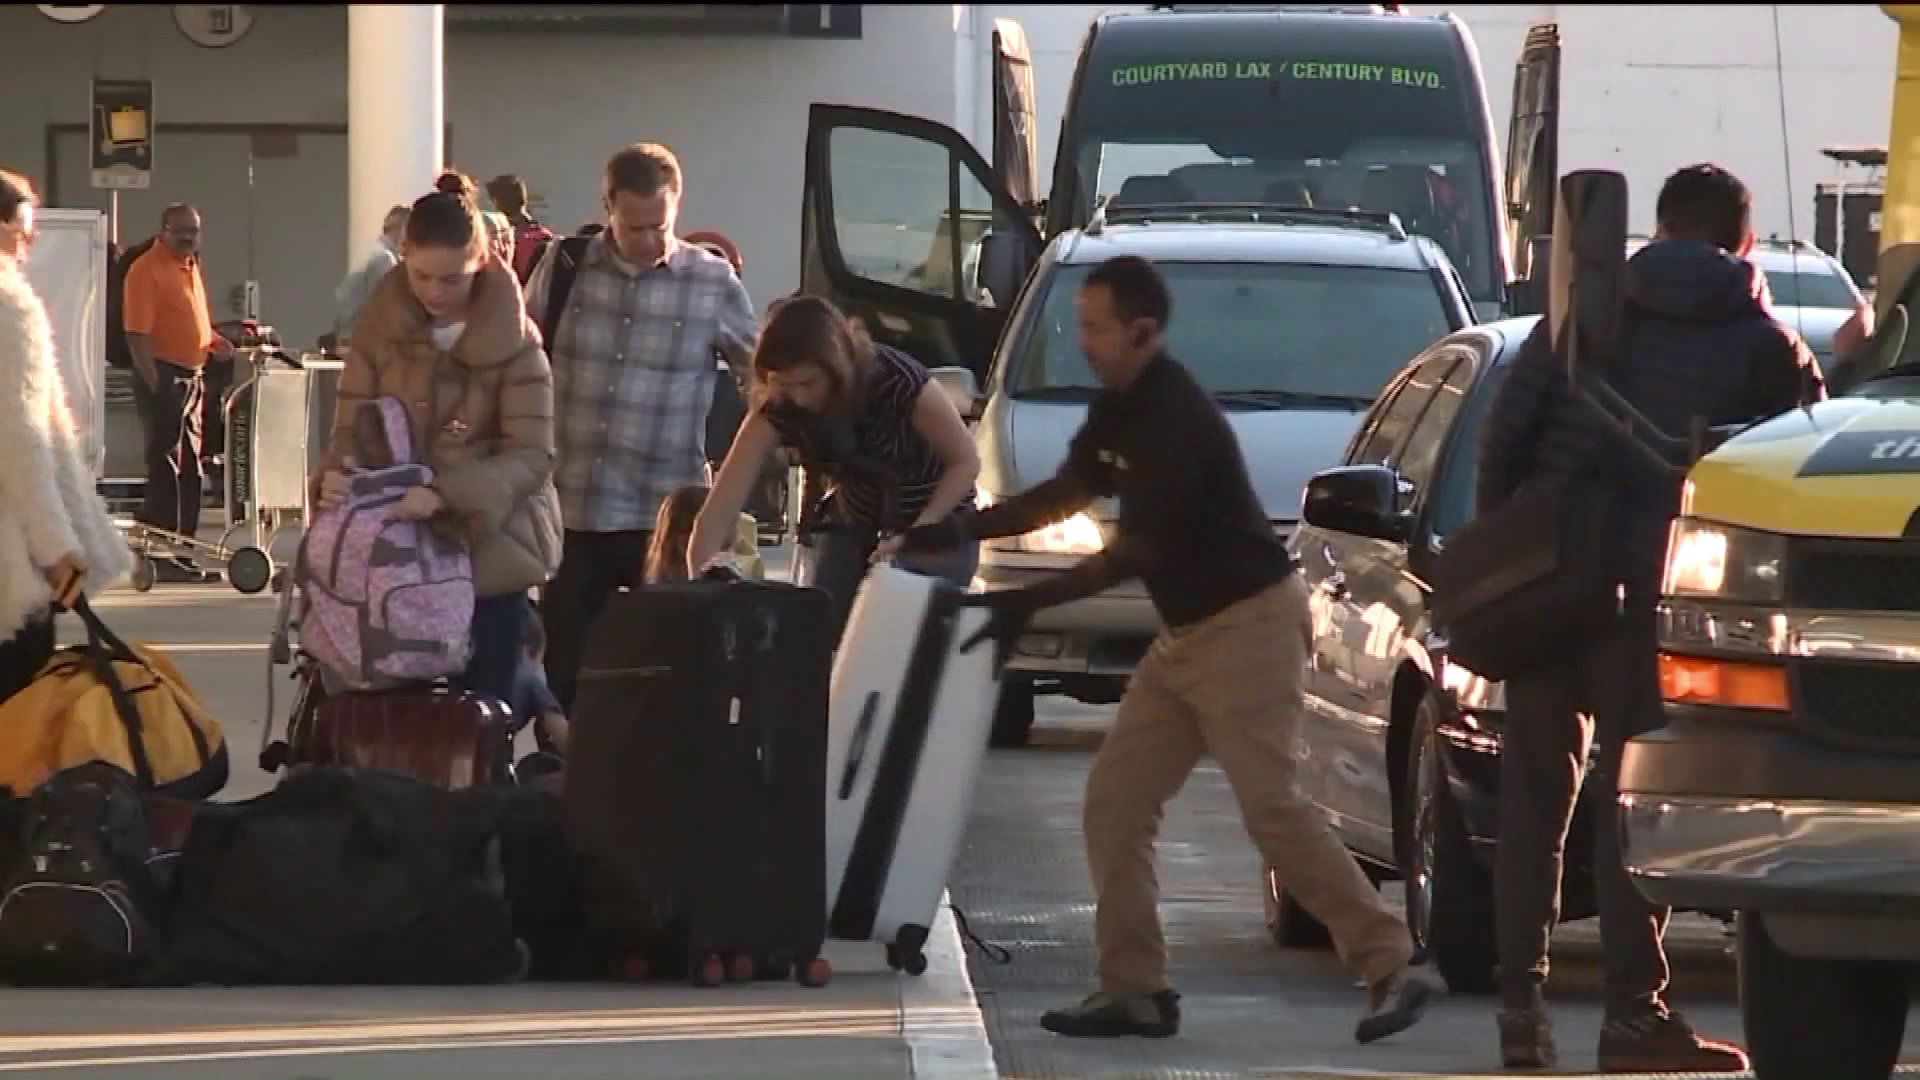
<point>1698,343</point>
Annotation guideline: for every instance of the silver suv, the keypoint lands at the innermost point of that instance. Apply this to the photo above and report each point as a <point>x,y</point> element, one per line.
<point>1293,318</point>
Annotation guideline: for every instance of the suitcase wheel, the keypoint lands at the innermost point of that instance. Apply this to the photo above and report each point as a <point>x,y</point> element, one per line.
<point>708,970</point>
<point>911,961</point>
<point>741,968</point>
<point>814,973</point>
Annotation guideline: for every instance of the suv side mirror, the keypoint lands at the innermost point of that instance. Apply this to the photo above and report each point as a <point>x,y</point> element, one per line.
<point>1361,500</point>
<point>960,387</point>
<point>1003,266</point>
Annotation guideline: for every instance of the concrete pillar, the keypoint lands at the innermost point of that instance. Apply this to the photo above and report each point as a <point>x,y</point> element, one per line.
<point>396,113</point>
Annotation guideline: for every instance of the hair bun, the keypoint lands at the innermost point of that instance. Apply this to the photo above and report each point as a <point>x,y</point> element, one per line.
<point>455,182</point>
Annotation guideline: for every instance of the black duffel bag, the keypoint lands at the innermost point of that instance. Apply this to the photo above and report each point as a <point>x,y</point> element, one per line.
<point>546,885</point>
<point>343,876</point>
<point>1527,582</point>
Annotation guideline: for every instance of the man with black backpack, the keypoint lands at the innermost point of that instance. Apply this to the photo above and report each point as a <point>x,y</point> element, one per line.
<point>632,318</point>
<point>508,193</point>
<point>1698,344</point>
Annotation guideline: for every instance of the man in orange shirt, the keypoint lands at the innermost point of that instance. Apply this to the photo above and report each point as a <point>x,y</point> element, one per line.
<point>170,336</point>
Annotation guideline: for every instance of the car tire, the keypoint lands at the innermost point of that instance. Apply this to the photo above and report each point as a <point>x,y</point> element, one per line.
<point>1013,712</point>
<point>1449,892</point>
<point>1287,922</point>
<point>1834,1019</point>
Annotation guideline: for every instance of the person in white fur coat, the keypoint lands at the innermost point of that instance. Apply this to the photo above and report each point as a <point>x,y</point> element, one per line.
<point>55,535</point>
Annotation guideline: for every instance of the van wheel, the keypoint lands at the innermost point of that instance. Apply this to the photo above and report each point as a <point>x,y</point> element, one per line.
<point>1835,1019</point>
<point>1449,894</point>
<point>1013,712</point>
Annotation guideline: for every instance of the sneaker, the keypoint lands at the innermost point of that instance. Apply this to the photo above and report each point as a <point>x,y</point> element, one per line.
<point>1107,1016</point>
<point>1526,1039</point>
<point>1658,1040</point>
<point>1394,1004</point>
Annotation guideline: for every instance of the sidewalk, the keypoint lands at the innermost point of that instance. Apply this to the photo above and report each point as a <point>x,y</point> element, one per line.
<point>869,1023</point>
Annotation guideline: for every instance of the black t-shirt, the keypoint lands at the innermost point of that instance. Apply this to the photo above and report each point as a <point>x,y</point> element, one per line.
<point>883,470</point>
<point>1191,527</point>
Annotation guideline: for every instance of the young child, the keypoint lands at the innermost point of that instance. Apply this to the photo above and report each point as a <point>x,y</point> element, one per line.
<point>672,528</point>
<point>667,554</point>
<point>534,697</point>
<point>546,767</point>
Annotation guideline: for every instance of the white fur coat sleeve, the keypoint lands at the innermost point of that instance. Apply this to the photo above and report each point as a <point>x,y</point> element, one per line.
<point>49,506</point>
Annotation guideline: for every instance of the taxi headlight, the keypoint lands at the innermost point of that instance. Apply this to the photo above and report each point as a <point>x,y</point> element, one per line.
<point>1722,562</point>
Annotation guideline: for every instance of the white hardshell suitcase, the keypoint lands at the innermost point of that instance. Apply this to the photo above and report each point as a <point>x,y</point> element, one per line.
<point>908,721</point>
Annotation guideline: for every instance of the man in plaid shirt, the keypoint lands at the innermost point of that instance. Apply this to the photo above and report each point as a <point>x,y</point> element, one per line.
<point>633,378</point>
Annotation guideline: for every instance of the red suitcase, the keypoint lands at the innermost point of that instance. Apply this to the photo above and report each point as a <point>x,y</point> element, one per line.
<point>436,733</point>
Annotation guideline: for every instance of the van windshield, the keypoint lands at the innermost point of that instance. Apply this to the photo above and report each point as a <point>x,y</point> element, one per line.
<point>1257,335</point>
<point>1378,112</point>
<point>1429,183</point>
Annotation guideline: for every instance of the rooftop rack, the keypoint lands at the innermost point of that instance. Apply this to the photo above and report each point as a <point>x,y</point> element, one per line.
<point>1107,212</point>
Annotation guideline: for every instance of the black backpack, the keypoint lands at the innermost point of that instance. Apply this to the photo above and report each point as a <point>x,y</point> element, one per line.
<point>118,355</point>
<point>566,253</point>
<point>76,910</point>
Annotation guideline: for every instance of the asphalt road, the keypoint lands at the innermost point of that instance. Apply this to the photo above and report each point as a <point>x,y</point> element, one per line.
<point>1250,1009</point>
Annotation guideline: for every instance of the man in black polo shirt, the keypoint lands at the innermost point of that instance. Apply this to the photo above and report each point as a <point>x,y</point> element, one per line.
<point>1223,677</point>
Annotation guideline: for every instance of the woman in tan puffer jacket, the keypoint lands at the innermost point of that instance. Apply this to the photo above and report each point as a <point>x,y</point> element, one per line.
<point>447,332</point>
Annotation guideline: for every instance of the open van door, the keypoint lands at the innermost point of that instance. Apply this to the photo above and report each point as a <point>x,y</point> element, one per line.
<point>1533,166</point>
<point>1016,146</point>
<point>904,225</point>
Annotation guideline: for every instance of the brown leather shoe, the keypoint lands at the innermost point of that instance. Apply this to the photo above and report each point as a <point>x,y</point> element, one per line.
<point>1526,1039</point>
<point>1659,1040</point>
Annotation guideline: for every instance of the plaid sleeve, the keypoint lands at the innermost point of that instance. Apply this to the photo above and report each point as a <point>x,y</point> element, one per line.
<point>739,327</point>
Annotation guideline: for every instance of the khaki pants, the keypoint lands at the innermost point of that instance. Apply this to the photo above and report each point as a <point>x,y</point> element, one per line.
<point>1229,685</point>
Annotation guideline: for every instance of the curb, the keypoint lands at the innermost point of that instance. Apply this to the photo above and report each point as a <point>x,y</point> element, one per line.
<point>939,1016</point>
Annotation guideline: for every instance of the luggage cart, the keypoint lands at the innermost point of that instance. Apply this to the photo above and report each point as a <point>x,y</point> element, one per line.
<point>277,413</point>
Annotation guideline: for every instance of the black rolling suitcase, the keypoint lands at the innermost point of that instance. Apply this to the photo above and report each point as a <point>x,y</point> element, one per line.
<point>696,779</point>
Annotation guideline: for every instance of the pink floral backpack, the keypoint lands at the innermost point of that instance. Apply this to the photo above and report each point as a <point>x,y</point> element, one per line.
<point>388,601</point>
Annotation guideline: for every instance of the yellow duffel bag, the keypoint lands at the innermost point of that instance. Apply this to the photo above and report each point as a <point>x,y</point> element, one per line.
<point>108,701</point>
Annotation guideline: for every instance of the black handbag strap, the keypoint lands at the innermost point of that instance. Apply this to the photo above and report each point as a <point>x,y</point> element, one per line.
<point>104,649</point>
